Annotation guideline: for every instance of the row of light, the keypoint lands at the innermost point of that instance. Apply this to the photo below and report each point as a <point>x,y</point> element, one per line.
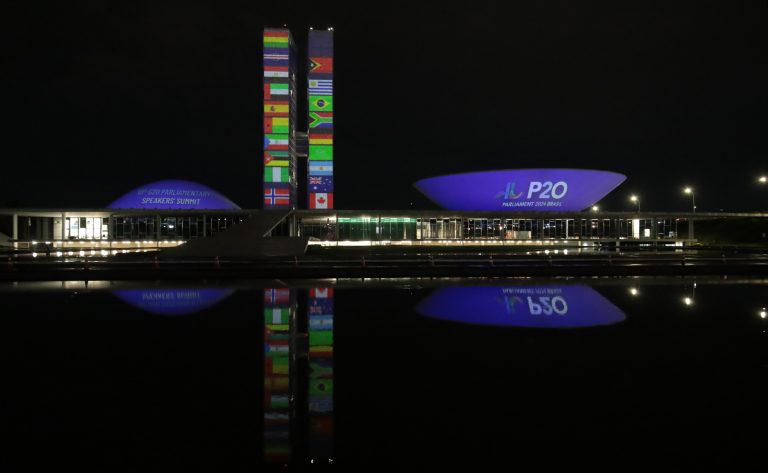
<point>689,301</point>
<point>686,190</point>
<point>115,242</point>
<point>83,253</point>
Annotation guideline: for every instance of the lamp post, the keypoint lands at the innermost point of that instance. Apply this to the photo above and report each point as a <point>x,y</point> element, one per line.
<point>636,200</point>
<point>689,190</point>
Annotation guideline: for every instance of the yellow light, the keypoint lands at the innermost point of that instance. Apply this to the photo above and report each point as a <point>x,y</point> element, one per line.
<point>633,198</point>
<point>595,208</point>
<point>687,190</point>
<point>762,179</point>
<point>634,291</point>
<point>688,301</point>
<point>59,253</point>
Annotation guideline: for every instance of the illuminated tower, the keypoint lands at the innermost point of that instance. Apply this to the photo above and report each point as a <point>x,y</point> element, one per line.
<point>320,135</point>
<point>279,119</point>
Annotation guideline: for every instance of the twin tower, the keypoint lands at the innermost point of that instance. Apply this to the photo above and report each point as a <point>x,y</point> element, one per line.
<point>281,141</point>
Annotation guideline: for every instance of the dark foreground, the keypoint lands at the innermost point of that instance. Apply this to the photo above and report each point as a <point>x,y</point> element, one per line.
<point>597,374</point>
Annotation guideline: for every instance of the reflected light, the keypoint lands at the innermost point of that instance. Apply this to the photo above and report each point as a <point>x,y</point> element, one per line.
<point>763,313</point>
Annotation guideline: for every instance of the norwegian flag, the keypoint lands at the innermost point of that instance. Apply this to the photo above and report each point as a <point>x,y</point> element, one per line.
<point>321,200</point>
<point>274,196</point>
<point>321,292</point>
<point>277,296</point>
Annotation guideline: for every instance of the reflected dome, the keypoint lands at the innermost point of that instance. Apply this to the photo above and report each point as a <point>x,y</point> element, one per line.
<point>174,301</point>
<point>545,306</point>
<point>175,195</point>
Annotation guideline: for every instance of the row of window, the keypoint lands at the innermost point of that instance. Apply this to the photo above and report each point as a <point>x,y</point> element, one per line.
<point>371,228</point>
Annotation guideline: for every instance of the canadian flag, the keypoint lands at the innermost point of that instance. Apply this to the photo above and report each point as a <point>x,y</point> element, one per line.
<point>321,200</point>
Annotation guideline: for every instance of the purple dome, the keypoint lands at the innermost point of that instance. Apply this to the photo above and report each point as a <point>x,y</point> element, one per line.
<point>533,190</point>
<point>175,195</point>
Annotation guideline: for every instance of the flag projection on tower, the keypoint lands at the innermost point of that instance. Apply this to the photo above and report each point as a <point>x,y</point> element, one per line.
<point>320,95</point>
<point>279,119</point>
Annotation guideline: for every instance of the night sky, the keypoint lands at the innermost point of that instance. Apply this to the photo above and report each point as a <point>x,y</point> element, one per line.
<point>100,97</point>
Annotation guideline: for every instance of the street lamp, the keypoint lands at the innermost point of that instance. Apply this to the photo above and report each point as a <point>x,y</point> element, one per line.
<point>595,208</point>
<point>762,179</point>
<point>689,190</point>
<point>636,200</point>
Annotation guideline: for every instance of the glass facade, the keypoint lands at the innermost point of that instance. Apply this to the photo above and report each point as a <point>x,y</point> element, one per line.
<point>183,227</point>
<point>382,229</point>
<point>86,228</point>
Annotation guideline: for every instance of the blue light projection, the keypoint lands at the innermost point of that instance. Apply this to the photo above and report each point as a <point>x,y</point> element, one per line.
<point>175,195</point>
<point>544,306</point>
<point>173,301</point>
<point>528,190</point>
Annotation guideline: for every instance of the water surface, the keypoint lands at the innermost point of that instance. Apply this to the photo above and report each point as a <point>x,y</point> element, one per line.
<point>606,373</point>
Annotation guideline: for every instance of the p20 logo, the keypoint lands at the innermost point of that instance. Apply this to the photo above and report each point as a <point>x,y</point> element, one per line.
<point>547,190</point>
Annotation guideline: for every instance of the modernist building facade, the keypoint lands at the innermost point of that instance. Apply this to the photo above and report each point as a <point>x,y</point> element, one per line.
<point>504,206</point>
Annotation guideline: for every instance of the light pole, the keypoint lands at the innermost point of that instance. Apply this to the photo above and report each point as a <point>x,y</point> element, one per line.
<point>689,190</point>
<point>636,200</point>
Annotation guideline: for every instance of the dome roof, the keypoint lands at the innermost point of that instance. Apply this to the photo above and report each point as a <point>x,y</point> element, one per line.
<point>174,195</point>
<point>534,190</point>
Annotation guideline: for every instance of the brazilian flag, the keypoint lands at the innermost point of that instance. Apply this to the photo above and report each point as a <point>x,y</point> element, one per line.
<point>321,103</point>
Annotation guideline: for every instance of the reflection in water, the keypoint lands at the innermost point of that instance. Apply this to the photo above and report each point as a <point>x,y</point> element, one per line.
<point>279,312</point>
<point>178,301</point>
<point>320,314</point>
<point>285,399</point>
<point>542,306</point>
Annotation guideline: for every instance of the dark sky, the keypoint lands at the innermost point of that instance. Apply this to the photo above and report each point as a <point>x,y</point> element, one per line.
<point>100,97</point>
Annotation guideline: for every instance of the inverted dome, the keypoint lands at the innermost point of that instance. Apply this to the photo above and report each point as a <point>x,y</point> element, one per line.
<point>534,190</point>
<point>175,195</point>
<point>176,301</point>
<point>544,306</point>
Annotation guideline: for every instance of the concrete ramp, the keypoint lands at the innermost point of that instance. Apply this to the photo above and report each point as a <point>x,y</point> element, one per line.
<point>245,240</point>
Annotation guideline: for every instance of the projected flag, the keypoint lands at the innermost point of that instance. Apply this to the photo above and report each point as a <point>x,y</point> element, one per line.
<point>279,61</point>
<point>320,110</point>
